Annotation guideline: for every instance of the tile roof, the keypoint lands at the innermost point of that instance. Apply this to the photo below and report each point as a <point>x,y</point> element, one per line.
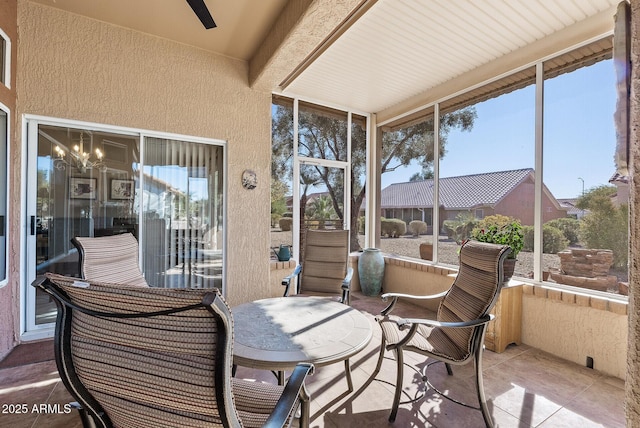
<point>461,192</point>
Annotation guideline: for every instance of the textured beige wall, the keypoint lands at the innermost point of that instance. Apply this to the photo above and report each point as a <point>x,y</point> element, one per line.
<point>578,331</point>
<point>9,313</point>
<point>574,332</point>
<point>76,68</point>
<point>418,279</point>
<point>632,401</point>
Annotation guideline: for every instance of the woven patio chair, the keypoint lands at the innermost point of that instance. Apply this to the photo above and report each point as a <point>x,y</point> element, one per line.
<point>456,336</point>
<point>324,269</point>
<point>154,357</point>
<point>110,259</point>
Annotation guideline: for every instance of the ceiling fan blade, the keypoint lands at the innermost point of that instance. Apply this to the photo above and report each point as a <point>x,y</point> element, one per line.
<point>202,12</point>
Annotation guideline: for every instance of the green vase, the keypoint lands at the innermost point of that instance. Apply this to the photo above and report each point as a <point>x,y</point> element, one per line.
<point>371,271</point>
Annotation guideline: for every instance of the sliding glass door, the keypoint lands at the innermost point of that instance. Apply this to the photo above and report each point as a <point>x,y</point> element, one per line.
<point>182,213</point>
<point>93,181</point>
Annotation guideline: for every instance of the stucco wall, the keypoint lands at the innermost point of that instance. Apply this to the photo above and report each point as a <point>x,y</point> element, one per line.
<point>574,332</point>
<point>77,68</point>
<point>8,310</point>
<point>632,401</point>
<point>581,326</point>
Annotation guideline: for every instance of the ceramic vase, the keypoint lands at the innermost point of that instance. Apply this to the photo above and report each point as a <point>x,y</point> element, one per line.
<point>509,266</point>
<point>371,271</point>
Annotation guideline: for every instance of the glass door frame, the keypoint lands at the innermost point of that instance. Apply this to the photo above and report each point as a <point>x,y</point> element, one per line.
<point>4,163</point>
<point>299,161</point>
<point>29,330</point>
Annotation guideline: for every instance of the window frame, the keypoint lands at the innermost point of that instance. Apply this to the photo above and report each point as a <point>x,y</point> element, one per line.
<point>5,66</point>
<point>437,106</point>
<point>6,185</point>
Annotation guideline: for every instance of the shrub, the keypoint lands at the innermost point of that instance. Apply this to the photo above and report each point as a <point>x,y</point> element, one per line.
<point>287,214</point>
<point>392,227</point>
<point>553,240</point>
<point>608,230</point>
<point>460,228</point>
<point>500,229</point>
<point>417,227</point>
<point>527,238</point>
<point>285,224</point>
<point>570,228</point>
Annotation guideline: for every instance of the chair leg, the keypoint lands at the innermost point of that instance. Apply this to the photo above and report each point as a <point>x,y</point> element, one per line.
<point>480,387</point>
<point>347,369</point>
<point>380,357</point>
<point>399,377</point>
<point>305,408</point>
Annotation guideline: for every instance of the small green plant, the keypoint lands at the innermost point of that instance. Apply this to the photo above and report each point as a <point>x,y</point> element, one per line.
<point>500,229</point>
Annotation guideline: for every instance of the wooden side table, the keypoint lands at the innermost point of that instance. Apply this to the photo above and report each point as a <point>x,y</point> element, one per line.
<point>506,328</point>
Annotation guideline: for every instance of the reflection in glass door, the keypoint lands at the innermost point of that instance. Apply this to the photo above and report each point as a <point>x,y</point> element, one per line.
<point>95,183</point>
<point>182,211</point>
<point>73,195</point>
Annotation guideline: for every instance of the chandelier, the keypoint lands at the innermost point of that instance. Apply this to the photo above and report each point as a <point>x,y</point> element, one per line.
<point>78,158</point>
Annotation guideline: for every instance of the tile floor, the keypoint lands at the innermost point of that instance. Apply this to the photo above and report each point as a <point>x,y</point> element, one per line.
<point>525,386</point>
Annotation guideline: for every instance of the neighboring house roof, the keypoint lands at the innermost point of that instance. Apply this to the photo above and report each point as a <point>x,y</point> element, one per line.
<point>618,178</point>
<point>570,205</point>
<point>461,192</point>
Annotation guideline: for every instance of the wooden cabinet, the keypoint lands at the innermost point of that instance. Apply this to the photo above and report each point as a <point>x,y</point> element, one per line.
<point>506,328</point>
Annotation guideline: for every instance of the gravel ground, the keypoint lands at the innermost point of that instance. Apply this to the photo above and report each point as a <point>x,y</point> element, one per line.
<point>447,251</point>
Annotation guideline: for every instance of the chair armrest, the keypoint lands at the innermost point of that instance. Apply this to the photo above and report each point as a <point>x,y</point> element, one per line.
<point>406,322</point>
<point>346,287</point>
<point>346,282</point>
<point>386,296</point>
<point>293,392</point>
<point>286,281</point>
<point>396,296</point>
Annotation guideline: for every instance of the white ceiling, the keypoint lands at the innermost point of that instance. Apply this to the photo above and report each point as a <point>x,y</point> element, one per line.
<point>396,54</point>
<point>241,24</point>
<point>401,48</point>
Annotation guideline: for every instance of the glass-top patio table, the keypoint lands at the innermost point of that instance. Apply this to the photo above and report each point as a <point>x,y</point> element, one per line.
<point>276,334</point>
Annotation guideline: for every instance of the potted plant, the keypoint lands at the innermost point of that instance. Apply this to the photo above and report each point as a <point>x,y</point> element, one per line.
<point>500,229</point>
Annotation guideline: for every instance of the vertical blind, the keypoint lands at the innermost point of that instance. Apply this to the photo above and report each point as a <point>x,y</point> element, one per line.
<point>182,212</point>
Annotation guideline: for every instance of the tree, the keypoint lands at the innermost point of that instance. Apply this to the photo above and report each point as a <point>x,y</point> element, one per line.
<point>324,136</point>
<point>605,225</point>
<point>279,192</point>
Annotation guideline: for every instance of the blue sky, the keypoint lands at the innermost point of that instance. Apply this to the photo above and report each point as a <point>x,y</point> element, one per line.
<point>579,134</point>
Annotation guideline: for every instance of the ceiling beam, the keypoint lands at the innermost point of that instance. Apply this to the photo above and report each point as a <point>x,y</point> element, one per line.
<point>303,27</point>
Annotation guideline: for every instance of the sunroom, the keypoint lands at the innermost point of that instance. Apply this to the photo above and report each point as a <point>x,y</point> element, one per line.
<point>426,104</point>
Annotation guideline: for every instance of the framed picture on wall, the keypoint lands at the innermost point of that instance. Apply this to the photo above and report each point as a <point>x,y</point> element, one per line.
<point>121,189</point>
<point>83,188</point>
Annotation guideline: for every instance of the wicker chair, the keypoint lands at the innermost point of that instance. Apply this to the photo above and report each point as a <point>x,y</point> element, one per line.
<point>324,270</point>
<point>111,259</point>
<point>152,357</point>
<point>457,335</point>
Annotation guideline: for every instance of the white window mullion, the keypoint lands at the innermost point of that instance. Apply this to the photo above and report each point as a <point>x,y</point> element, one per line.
<point>539,172</point>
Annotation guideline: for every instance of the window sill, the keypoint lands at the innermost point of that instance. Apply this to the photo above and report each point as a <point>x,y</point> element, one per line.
<point>276,265</point>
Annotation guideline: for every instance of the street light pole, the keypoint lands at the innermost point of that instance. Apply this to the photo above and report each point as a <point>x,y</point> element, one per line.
<point>582,179</point>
